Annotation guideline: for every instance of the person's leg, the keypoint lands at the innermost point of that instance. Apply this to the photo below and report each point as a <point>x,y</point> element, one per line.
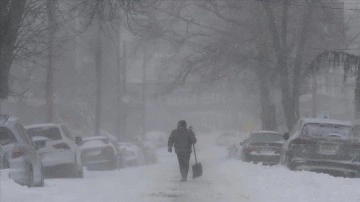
<point>186,165</point>
<point>180,165</point>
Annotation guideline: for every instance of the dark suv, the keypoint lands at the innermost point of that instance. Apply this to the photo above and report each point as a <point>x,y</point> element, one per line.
<point>322,145</point>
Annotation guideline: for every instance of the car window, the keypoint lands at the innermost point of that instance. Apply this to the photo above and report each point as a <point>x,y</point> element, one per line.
<point>22,134</point>
<point>327,130</point>
<point>67,133</point>
<point>6,136</point>
<point>295,128</point>
<point>50,132</point>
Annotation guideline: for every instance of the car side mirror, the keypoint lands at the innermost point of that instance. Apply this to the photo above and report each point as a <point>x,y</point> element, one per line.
<point>286,136</point>
<point>78,140</point>
<point>40,144</point>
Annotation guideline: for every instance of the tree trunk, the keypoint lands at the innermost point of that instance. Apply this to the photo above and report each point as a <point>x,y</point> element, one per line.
<point>49,95</point>
<point>268,115</point>
<point>143,95</point>
<point>118,86</point>
<point>11,16</point>
<point>307,16</point>
<point>286,97</point>
<point>124,92</point>
<point>98,70</point>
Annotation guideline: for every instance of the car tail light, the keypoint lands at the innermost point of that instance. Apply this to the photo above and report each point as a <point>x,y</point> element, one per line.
<point>300,141</point>
<point>17,152</point>
<point>249,148</point>
<point>61,146</point>
<point>108,149</point>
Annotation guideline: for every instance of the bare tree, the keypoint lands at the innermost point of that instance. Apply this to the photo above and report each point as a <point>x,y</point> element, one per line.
<point>350,63</point>
<point>102,14</point>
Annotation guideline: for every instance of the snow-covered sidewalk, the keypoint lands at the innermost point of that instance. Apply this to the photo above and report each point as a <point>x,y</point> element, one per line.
<point>224,180</point>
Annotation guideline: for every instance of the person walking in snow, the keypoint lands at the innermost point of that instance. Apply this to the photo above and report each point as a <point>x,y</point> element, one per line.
<point>182,139</point>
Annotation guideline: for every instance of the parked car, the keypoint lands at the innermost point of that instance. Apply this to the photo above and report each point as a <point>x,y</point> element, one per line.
<point>61,155</point>
<point>24,161</point>
<point>262,146</point>
<point>132,154</point>
<point>4,159</point>
<point>99,152</point>
<point>322,145</point>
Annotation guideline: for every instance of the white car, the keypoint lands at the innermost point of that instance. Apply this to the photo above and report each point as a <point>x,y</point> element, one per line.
<point>98,152</point>
<point>132,154</point>
<point>24,162</point>
<point>61,155</point>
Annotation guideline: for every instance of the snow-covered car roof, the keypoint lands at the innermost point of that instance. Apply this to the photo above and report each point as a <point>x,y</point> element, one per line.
<point>43,125</point>
<point>326,121</point>
<point>265,131</point>
<point>96,138</point>
<point>96,141</point>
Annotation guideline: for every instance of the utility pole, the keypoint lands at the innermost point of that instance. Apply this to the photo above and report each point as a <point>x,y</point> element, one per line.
<point>49,88</point>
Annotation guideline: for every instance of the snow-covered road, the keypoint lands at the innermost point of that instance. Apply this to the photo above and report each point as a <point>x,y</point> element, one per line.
<point>223,180</point>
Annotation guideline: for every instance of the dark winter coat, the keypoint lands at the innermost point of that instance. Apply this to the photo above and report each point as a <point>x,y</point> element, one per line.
<point>182,139</point>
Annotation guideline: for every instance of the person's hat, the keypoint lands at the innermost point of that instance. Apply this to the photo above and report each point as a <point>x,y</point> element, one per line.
<point>182,123</point>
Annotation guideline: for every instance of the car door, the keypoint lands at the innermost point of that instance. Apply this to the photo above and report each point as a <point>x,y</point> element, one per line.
<point>31,154</point>
<point>70,140</point>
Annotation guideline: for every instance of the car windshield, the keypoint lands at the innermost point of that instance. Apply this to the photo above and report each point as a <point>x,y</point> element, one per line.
<point>6,136</point>
<point>52,133</point>
<point>265,137</point>
<point>328,130</point>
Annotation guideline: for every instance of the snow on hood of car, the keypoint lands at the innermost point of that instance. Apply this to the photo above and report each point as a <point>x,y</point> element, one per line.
<point>43,125</point>
<point>39,138</point>
<point>326,121</point>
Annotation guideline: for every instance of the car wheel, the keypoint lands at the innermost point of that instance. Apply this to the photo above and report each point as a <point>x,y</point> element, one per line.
<point>288,163</point>
<point>41,183</point>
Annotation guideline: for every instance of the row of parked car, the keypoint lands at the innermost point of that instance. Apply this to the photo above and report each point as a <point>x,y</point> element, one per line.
<point>39,151</point>
<point>319,145</point>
